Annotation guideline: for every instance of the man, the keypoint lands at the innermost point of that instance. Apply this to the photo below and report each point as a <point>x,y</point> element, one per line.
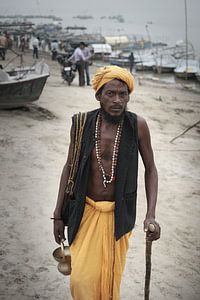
<point>103,213</point>
<point>3,46</point>
<point>79,59</point>
<point>43,45</point>
<point>131,61</point>
<point>87,55</point>
<point>22,43</point>
<point>35,45</point>
<point>54,49</point>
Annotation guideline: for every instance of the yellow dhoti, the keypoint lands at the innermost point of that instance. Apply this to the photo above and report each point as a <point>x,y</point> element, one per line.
<point>98,260</point>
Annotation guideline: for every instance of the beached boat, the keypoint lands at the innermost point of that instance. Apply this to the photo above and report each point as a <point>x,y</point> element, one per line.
<point>187,69</point>
<point>145,62</point>
<point>164,63</point>
<point>121,62</point>
<point>101,51</point>
<point>22,85</point>
<point>182,50</point>
<point>198,75</point>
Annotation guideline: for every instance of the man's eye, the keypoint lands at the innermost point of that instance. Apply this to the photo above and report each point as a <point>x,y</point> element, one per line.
<point>110,93</point>
<point>124,94</point>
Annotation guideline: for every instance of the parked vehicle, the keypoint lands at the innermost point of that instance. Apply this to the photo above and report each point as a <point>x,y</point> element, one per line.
<point>68,69</point>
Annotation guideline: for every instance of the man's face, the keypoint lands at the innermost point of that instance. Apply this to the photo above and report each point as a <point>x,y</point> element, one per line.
<point>82,46</point>
<point>114,97</point>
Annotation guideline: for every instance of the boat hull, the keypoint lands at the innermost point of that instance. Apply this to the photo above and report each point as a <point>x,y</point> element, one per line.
<point>187,69</point>
<point>141,67</point>
<point>120,62</point>
<point>163,69</point>
<point>185,75</point>
<point>197,76</point>
<point>18,93</point>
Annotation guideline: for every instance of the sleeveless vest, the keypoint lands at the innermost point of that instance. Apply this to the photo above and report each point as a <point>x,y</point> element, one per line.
<point>126,177</point>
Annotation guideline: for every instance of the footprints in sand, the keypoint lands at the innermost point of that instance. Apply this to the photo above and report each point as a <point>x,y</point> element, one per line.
<point>32,111</point>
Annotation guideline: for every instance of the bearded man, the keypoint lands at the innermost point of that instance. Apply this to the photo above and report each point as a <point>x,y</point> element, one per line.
<point>104,209</point>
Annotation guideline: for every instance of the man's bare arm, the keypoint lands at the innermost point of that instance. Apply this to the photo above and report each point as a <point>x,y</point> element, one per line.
<point>151,176</point>
<point>58,223</point>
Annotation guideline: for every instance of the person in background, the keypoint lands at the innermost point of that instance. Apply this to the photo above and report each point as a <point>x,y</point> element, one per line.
<point>3,46</point>
<point>78,59</point>
<point>68,48</point>
<point>22,43</point>
<point>43,45</point>
<point>102,212</point>
<point>35,45</point>
<point>54,49</point>
<point>131,61</point>
<point>15,41</point>
<point>27,44</point>
<point>87,54</point>
<point>9,40</point>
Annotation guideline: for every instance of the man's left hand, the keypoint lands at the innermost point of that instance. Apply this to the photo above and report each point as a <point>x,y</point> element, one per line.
<point>155,235</point>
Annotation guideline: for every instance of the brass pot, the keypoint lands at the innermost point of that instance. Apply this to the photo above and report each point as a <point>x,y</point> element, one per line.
<point>58,253</point>
<point>64,267</point>
<point>62,255</point>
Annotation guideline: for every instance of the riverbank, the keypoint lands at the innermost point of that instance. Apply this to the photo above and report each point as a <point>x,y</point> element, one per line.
<point>33,147</point>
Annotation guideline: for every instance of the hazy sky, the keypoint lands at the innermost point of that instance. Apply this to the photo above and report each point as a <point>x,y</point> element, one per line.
<point>157,9</point>
<point>166,14</point>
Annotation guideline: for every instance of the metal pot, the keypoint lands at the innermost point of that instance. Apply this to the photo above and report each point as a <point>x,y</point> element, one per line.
<point>62,255</point>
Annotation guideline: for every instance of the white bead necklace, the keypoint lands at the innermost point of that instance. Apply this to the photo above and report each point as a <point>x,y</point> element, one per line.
<point>107,179</point>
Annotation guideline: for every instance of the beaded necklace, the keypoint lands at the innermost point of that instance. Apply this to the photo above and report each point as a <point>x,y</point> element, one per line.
<point>107,178</point>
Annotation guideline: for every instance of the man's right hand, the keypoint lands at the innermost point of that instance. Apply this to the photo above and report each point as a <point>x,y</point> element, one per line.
<point>58,231</point>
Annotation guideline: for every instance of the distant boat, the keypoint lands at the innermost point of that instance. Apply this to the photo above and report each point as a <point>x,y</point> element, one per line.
<point>22,85</point>
<point>198,75</point>
<point>119,18</point>
<point>101,51</point>
<point>83,17</point>
<point>121,62</point>
<point>187,69</point>
<point>187,66</point>
<point>144,62</point>
<point>164,63</point>
<point>179,50</point>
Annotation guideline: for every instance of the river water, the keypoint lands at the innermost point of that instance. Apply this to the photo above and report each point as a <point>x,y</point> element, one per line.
<point>160,31</point>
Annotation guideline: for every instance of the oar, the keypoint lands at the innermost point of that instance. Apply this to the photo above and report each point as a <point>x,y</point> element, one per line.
<point>151,228</point>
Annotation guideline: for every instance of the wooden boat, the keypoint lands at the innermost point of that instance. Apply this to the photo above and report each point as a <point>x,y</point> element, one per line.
<point>101,51</point>
<point>121,62</point>
<point>146,63</point>
<point>165,63</point>
<point>22,85</point>
<point>187,69</point>
<point>197,74</point>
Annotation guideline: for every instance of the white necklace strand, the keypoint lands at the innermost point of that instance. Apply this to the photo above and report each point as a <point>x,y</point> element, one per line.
<point>114,155</point>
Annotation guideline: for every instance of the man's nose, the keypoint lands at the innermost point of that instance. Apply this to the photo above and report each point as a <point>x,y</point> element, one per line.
<point>117,99</point>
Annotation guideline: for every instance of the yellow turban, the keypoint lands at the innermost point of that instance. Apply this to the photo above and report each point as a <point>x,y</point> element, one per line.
<point>108,73</point>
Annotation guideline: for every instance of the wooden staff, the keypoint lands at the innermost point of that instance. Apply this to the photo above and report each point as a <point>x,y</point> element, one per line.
<point>151,228</point>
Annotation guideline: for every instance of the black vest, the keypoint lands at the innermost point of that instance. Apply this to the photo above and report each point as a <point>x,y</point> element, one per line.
<point>126,177</point>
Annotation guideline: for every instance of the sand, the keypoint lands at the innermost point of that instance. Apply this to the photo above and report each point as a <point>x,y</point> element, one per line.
<point>33,149</point>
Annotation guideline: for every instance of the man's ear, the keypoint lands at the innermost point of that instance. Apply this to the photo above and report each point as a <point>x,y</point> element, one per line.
<point>97,96</point>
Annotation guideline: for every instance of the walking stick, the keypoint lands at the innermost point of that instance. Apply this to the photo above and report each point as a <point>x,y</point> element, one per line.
<point>151,228</point>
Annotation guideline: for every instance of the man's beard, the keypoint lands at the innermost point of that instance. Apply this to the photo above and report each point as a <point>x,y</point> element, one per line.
<point>112,119</point>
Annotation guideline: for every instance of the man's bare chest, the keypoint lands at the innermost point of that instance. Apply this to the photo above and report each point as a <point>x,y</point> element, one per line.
<point>106,144</point>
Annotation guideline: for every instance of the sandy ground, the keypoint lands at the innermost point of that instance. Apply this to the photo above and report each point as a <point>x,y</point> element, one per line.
<point>33,147</point>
